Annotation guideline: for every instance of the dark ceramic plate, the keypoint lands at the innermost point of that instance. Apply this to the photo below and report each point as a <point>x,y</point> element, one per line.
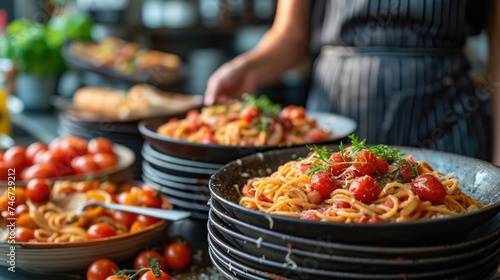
<point>482,236</point>
<point>178,170</point>
<point>291,269</point>
<point>340,127</point>
<point>332,261</point>
<point>190,203</point>
<point>477,178</point>
<point>179,161</point>
<point>173,178</point>
<point>161,78</point>
<point>175,185</point>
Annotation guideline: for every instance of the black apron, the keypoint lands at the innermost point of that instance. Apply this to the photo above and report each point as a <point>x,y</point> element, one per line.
<point>398,69</point>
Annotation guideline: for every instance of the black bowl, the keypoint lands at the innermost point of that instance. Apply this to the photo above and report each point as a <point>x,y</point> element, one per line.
<point>479,179</point>
<point>339,125</point>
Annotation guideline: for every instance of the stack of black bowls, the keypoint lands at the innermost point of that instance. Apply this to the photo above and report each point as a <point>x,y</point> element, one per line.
<point>249,244</point>
<point>125,133</point>
<point>185,182</point>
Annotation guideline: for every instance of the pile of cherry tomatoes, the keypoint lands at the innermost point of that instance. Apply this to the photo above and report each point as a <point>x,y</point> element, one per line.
<point>149,264</point>
<point>63,156</point>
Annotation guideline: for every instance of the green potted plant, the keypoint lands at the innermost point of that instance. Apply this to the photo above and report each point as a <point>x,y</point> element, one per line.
<point>36,52</point>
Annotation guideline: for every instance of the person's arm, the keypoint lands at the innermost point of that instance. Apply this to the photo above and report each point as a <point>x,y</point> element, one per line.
<point>494,70</point>
<point>283,46</point>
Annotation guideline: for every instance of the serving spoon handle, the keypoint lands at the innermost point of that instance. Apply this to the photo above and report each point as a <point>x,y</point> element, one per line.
<point>170,215</point>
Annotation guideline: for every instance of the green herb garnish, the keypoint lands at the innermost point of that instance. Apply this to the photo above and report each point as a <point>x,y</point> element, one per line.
<point>262,103</point>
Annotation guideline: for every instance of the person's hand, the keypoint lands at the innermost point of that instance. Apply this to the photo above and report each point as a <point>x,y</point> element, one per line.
<point>231,81</point>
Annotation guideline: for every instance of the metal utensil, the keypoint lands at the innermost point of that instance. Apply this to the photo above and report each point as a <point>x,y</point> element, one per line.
<point>170,215</point>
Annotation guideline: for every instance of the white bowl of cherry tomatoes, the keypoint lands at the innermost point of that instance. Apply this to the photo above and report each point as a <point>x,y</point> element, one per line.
<point>67,157</point>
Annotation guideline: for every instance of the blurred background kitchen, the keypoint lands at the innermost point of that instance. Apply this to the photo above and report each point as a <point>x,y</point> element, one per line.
<point>203,33</point>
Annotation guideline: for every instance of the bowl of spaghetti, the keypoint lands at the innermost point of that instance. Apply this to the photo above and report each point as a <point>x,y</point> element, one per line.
<point>375,195</point>
<point>48,236</point>
<point>221,133</point>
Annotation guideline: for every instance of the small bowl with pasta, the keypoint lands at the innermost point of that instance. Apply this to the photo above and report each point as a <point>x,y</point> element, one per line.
<point>377,195</point>
<point>221,133</point>
<point>48,237</point>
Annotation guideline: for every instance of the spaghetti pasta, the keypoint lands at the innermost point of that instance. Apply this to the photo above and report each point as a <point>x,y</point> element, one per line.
<point>375,184</point>
<point>55,220</point>
<point>251,122</point>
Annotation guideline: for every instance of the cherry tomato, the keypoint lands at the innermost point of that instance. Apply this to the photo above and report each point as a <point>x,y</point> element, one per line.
<point>365,163</point>
<point>407,173</point>
<point>337,167</point>
<point>339,204</point>
<point>38,170</point>
<point>147,258</point>
<point>428,188</point>
<point>24,234</point>
<point>100,230</point>
<point>149,275</point>
<point>100,269</point>
<point>33,149</point>
<point>364,188</point>
<point>147,220</point>
<point>22,209</point>
<point>193,121</point>
<point>424,167</point>
<point>324,183</point>
<point>297,113</point>
<point>84,164</point>
<point>105,160</point>
<point>304,167</point>
<point>151,198</point>
<point>115,277</point>
<point>58,160</point>
<point>249,113</point>
<point>100,145</point>
<point>382,166</point>
<point>316,135</point>
<point>177,254</point>
<point>15,157</point>
<point>38,190</point>
<point>136,227</point>
<point>126,218</point>
<point>310,215</point>
<point>73,146</point>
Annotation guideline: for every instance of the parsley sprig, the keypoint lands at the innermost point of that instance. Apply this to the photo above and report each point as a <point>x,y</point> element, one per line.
<point>262,103</point>
<point>391,155</point>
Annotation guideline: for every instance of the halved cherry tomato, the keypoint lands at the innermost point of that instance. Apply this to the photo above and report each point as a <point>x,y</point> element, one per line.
<point>316,135</point>
<point>38,190</point>
<point>100,269</point>
<point>364,188</point>
<point>148,258</point>
<point>100,145</point>
<point>100,230</point>
<point>382,166</point>
<point>428,188</point>
<point>177,254</point>
<point>324,183</point>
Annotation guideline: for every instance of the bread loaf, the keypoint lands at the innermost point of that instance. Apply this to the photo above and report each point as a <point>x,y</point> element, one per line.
<point>140,101</point>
